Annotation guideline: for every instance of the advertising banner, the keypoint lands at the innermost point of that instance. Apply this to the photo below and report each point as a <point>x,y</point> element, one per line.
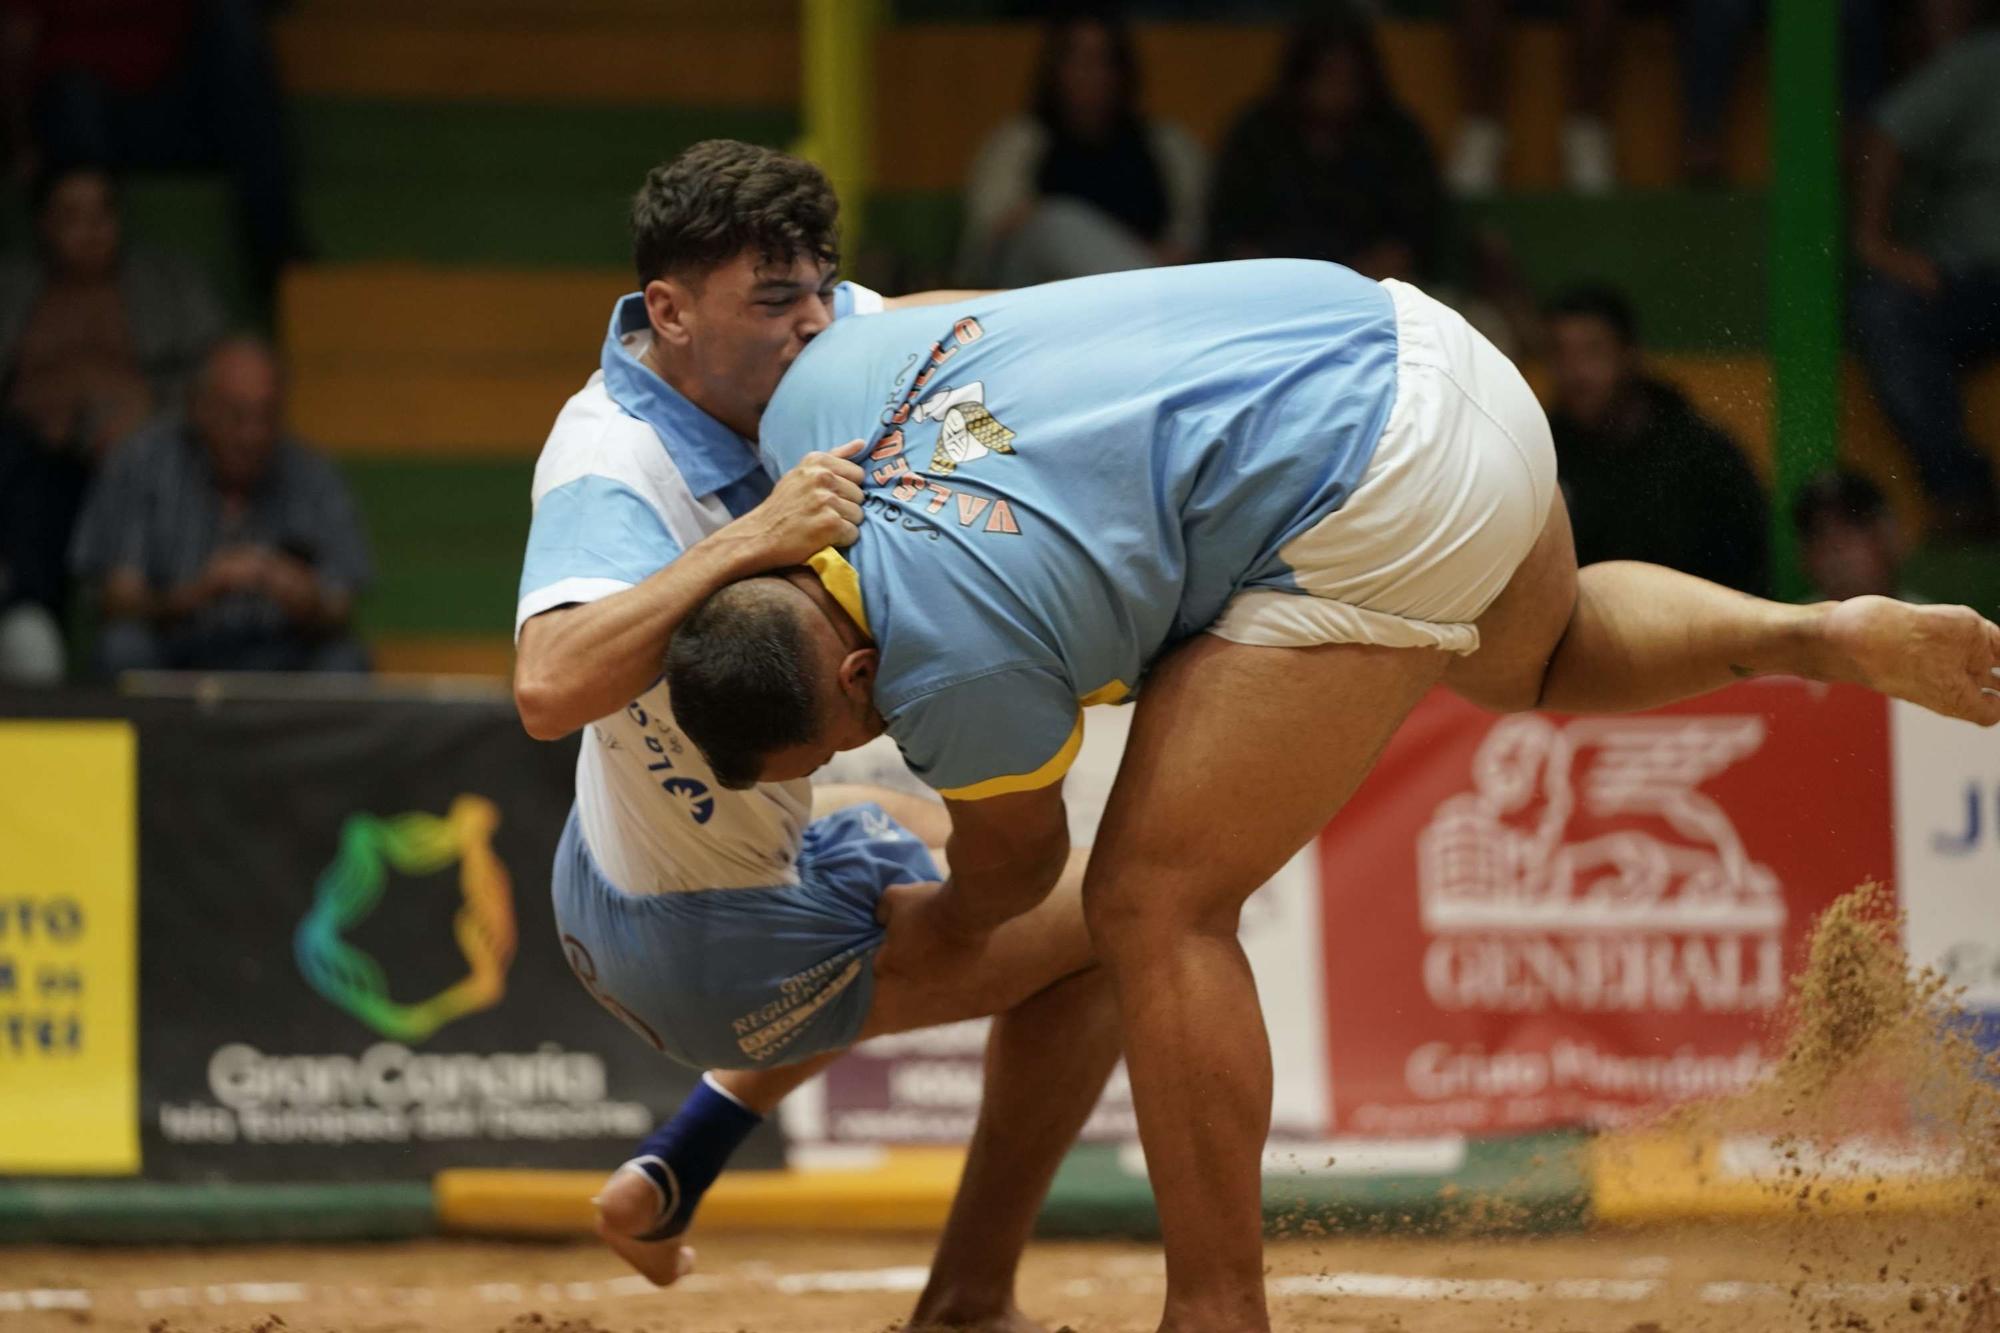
<point>69,1077</point>
<point>346,963</point>
<point>1948,853</point>
<point>350,965</point>
<point>1537,920</point>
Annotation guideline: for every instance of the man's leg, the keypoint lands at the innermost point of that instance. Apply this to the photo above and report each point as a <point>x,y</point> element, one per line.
<point>1046,1063</point>
<point>1217,790</point>
<point>1621,636</point>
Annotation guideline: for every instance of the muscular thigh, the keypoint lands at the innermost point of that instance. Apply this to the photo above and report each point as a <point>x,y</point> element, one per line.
<point>1238,756</point>
<point>1518,634</point>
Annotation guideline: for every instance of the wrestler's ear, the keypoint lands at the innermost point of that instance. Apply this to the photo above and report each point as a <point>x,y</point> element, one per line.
<point>668,302</point>
<point>857,673</point>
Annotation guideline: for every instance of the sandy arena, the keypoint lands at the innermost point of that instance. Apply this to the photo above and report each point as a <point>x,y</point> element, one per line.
<point>1710,1279</point>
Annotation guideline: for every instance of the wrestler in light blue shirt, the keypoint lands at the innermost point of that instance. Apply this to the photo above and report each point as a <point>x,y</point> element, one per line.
<point>1066,480</point>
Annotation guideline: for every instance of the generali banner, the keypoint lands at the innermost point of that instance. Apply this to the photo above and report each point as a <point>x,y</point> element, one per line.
<point>1538,921</point>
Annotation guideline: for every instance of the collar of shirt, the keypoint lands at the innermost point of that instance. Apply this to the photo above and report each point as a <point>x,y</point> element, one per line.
<point>711,457</point>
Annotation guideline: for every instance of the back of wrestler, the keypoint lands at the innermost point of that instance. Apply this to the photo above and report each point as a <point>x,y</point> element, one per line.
<point>1066,479</point>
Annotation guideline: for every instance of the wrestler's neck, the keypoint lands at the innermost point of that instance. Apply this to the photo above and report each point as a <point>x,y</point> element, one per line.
<point>741,418</point>
<point>851,635</point>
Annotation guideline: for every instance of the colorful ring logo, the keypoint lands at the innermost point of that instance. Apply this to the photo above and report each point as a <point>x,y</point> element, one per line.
<point>350,889</point>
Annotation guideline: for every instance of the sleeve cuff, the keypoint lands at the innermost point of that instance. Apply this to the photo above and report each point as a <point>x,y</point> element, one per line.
<point>1046,775</point>
<point>566,592</point>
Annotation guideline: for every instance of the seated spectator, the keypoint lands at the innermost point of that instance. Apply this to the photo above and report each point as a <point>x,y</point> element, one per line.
<point>1329,165</point>
<point>1714,37</point>
<point>1590,160</point>
<point>1083,183</point>
<point>1648,478</point>
<point>1927,307</point>
<point>1849,544</point>
<point>155,84</point>
<point>218,544</point>
<point>96,337</point>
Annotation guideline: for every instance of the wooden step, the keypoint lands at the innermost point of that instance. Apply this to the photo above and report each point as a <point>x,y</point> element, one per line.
<point>401,359</point>
<point>1735,392</point>
<point>443,655</point>
<point>1201,76</point>
<point>425,56</point>
<point>941,88</point>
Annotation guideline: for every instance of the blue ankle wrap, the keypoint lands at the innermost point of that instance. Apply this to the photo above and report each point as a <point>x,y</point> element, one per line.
<point>684,1156</point>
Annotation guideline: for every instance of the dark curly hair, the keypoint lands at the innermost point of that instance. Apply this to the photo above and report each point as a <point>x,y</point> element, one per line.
<point>722,197</point>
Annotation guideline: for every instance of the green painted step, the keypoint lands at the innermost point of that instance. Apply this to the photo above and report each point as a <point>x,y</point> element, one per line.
<point>461,183</point>
<point>1691,260</point>
<point>146,1212</point>
<point>447,537</point>
<point>1530,1184</point>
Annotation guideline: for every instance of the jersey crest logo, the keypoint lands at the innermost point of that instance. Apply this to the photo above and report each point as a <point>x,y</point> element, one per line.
<point>967,431</point>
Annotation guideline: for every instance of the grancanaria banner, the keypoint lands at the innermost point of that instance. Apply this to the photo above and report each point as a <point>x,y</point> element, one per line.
<point>350,966</point>
<point>68,1016</point>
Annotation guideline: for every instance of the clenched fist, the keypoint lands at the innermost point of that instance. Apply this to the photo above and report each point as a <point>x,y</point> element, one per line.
<point>815,505</point>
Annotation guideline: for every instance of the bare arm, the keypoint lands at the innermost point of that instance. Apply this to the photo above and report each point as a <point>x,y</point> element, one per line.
<point>576,664</point>
<point>1879,172</point>
<point>1005,853</point>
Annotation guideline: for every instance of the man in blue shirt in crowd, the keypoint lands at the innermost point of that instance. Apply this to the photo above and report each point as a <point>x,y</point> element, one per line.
<point>1290,499</point>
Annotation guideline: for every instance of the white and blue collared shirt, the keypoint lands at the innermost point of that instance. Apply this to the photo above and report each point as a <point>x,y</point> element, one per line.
<point>632,475</point>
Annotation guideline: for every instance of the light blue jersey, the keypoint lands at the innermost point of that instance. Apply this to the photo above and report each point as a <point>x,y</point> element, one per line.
<point>1064,481</point>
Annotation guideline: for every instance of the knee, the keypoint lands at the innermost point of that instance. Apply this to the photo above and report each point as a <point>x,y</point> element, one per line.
<point>1133,909</point>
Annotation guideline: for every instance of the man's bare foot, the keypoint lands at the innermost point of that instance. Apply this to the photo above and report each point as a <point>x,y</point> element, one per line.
<point>628,1207</point>
<point>937,1312</point>
<point>1008,1321</point>
<point>1946,658</point>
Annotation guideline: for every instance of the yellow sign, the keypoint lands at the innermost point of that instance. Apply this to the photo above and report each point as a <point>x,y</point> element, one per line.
<point>69,1045</point>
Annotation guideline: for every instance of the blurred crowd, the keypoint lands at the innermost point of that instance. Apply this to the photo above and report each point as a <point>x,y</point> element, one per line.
<point>155,513</point>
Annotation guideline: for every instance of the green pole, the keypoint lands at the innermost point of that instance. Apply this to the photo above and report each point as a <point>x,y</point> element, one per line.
<point>1806,251</point>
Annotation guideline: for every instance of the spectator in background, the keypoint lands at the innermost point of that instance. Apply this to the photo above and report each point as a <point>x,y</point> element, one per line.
<point>1590,162</point>
<point>96,338</point>
<point>1083,183</point>
<point>1329,165</point>
<point>1848,540</point>
<point>1714,35</point>
<point>1648,477</point>
<point>155,84</point>
<point>218,544</point>
<point>1927,231</point>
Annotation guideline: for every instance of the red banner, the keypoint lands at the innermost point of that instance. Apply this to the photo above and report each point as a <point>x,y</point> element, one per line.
<point>1539,920</point>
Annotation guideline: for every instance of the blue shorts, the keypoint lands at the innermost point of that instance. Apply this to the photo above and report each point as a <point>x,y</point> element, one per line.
<point>742,978</point>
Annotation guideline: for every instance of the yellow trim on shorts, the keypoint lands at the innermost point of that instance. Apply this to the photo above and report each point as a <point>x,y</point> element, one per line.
<point>1047,775</point>
<point>841,583</point>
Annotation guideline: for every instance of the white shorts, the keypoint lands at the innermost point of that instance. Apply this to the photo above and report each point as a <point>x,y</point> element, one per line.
<point>1450,505</point>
